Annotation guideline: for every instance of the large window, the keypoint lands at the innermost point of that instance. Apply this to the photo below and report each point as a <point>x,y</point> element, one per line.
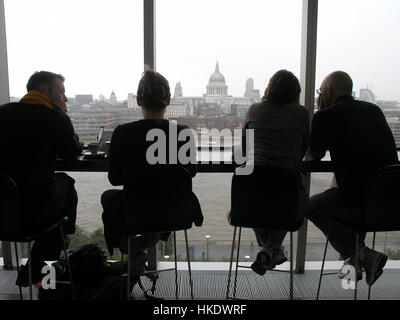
<point>97,46</point>
<point>219,55</point>
<point>358,37</point>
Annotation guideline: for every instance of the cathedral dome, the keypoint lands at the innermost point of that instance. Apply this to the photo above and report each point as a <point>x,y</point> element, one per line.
<point>217,76</point>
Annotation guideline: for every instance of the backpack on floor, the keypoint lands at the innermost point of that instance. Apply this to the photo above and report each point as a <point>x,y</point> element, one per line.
<point>94,277</point>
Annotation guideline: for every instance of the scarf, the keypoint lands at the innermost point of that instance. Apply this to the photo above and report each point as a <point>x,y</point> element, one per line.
<point>36,97</point>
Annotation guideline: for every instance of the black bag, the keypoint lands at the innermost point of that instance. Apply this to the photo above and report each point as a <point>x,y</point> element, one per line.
<point>94,277</point>
<point>86,261</point>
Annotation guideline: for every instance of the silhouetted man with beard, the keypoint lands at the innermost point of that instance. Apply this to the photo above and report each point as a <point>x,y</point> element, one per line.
<point>34,132</point>
<point>359,141</point>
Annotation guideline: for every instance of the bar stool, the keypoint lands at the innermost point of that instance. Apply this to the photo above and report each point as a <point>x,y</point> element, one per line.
<point>128,275</point>
<point>161,203</point>
<point>11,227</point>
<point>267,198</point>
<point>379,213</point>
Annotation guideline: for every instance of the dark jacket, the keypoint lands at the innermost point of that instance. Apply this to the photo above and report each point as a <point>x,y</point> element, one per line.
<point>128,150</point>
<point>128,165</point>
<point>32,136</point>
<point>359,140</point>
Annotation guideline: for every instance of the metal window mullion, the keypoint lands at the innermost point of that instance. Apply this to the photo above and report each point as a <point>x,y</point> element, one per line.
<point>4,98</point>
<point>4,84</point>
<point>307,98</point>
<point>149,29</point>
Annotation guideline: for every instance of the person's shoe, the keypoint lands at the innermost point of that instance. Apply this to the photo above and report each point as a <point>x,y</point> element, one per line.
<point>23,276</point>
<point>263,261</point>
<point>344,270</point>
<point>278,257</point>
<point>373,263</point>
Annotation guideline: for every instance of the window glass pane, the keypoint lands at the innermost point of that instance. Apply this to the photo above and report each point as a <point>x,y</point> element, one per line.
<point>97,46</point>
<point>218,57</point>
<point>360,38</point>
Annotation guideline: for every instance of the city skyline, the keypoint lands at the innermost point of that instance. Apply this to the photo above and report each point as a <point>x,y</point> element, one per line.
<point>106,97</point>
<point>98,47</point>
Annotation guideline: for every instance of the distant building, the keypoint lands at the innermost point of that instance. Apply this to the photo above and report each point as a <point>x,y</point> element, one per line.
<point>209,110</point>
<point>217,94</point>
<point>388,105</point>
<point>113,98</point>
<point>71,101</point>
<point>367,95</point>
<point>176,110</point>
<point>217,91</point>
<point>240,111</point>
<point>191,103</point>
<point>132,102</point>
<point>394,124</point>
<point>215,109</point>
<point>81,99</point>
<point>88,120</point>
<point>250,92</point>
<point>216,84</point>
<point>178,91</point>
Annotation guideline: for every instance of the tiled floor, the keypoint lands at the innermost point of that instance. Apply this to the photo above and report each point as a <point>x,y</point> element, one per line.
<point>273,285</point>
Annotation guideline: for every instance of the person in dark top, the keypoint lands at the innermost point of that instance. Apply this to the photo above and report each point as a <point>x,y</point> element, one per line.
<point>129,159</point>
<point>34,132</point>
<point>281,139</point>
<point>359,141</point>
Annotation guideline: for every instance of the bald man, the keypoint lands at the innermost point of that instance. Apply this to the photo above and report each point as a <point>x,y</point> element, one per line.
<point>359,141</point>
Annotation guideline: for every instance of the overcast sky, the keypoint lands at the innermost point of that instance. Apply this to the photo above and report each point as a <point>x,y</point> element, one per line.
<point>98,44</point>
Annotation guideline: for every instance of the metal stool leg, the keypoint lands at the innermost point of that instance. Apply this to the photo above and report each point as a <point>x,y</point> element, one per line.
<point>188,260</point>
<point>17,258</point>
<point>122,275</point>
<point>291,267</point>
<point>373,248</point>
<point>176,268</point>
<point>30,270</point>
<point>230,264</point>
<point>68,264</point>
<point>356,267</point>
<point>237,261</point>
<point>128,281</point>
<point>323,261</point>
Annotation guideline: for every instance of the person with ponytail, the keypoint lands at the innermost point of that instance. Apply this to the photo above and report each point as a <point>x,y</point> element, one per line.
<point>281,139</point>
<point>129,157</point>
